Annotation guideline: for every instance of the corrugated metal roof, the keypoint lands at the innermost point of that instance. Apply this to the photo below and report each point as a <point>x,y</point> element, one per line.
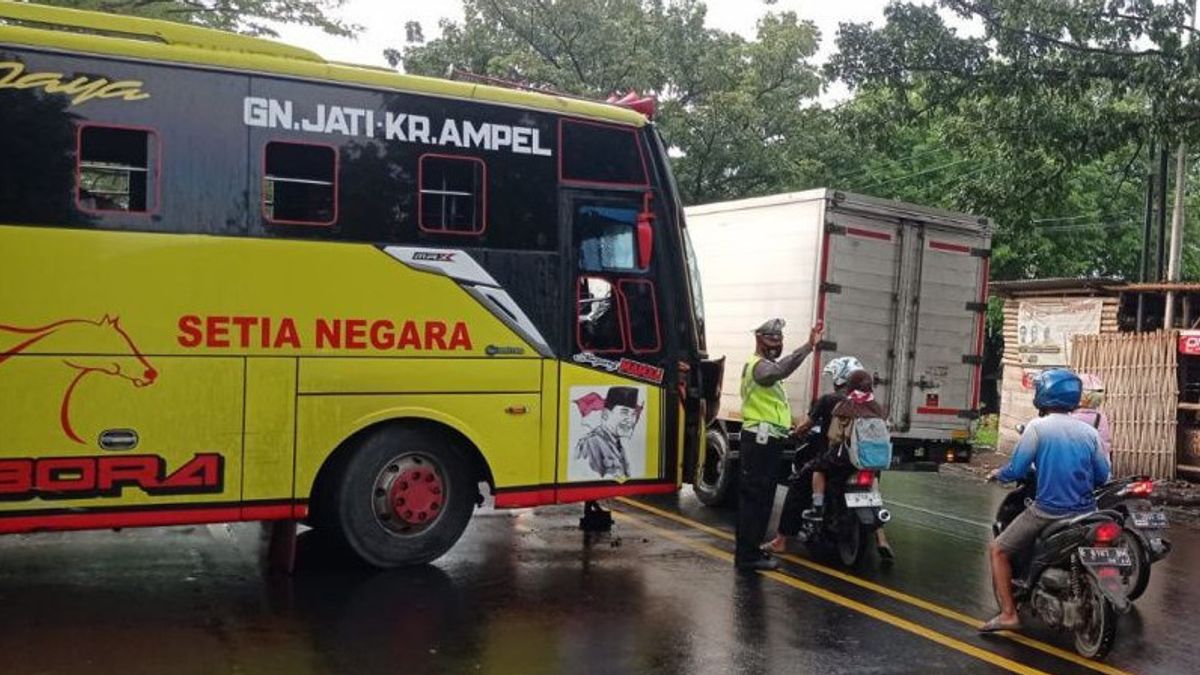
<point>1093,284</point>
<point>1065,284</point>
<point>1162,287</point>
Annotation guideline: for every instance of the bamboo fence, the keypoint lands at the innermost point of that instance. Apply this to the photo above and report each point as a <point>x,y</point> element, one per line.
<point>1141,396</point>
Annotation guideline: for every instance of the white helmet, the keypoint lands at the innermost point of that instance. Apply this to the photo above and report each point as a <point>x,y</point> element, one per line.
<point>840,368</point>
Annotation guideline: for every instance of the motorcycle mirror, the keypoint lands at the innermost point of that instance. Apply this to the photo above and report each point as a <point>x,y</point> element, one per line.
<point>1020,428</point>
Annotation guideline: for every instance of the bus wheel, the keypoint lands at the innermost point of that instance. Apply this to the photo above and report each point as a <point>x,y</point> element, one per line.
<point>404,496</point>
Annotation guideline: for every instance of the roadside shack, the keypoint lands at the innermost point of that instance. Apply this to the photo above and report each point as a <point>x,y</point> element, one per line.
<point>1113,329</point>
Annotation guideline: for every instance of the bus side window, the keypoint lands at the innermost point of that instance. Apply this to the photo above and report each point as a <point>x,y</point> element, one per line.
<point>300,183</point>
<point>605,236</point>
<point>641,315</point>
<point>600,324</point>
<point>117,169</point>
<point>600,153</point>
<point>452,194</point>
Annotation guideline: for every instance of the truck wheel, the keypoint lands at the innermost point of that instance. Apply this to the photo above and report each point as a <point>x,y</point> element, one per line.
<point>715,483</point>
<point>403,496</point>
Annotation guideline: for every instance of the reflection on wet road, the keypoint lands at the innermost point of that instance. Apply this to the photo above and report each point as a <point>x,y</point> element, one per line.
<point>526,592</point>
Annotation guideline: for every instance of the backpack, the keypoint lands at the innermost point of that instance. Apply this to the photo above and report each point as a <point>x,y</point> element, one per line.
<point>870,445</point>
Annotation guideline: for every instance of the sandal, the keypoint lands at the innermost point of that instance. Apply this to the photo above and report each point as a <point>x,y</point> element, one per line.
<point>996,625</point>
<point>776,545</point>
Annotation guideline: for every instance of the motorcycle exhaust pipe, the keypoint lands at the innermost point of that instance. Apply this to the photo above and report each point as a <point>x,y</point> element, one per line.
<point>884,515</point>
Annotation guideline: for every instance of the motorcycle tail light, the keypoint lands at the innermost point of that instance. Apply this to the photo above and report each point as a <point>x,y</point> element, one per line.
<point>1141,488</point>
<point>1107,533</point>
<point>864,479</point>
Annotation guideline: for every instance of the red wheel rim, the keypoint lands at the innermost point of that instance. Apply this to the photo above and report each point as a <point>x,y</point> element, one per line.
<point>417,495</point>
<point>410,494</point>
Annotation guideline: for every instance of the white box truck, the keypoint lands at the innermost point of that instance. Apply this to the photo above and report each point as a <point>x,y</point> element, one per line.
<point>902,287</point>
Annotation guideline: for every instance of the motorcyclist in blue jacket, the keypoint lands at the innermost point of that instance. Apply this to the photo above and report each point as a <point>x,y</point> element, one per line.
<point>1070,465</point>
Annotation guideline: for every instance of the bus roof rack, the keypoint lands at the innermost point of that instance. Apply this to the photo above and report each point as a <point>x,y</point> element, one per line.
<point>136,28</point>
<point>646,105</point>
<point>461,75</point>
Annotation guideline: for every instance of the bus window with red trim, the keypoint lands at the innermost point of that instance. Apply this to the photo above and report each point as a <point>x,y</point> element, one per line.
<point>452,194</point>
<point>116,169</point>
<point>601,153</point>
<point>641,315</point>
<point>599,322</point>
<point>300,183</point>
<point>605,236</point>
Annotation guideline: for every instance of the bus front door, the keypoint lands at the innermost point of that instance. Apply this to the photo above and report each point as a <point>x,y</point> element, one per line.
<point>617,414</point>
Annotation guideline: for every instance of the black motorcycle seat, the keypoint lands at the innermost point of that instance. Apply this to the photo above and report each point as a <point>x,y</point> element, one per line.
<point>1067,523</point>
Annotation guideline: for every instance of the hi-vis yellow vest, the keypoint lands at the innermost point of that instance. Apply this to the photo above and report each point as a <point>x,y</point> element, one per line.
<point>764,404</point>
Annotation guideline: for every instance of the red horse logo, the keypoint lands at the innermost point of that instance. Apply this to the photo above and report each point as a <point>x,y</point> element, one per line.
<point>108,338</point>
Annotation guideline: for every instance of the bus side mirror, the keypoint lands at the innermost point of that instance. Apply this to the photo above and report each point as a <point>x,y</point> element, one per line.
<point>645,239</point>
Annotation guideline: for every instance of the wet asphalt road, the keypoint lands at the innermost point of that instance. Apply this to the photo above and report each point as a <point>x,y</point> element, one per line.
<point>526,592</point>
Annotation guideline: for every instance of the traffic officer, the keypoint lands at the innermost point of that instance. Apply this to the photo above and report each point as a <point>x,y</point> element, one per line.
<point>766,422</point>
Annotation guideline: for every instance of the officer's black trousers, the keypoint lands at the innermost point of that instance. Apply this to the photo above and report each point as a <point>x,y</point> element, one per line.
<point>756,492</point>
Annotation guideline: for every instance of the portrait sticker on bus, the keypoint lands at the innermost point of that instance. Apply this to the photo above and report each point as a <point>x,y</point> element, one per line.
<point>607,433</point>
<point>356,122</point>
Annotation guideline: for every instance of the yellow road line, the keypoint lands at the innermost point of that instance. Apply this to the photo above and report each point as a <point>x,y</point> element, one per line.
<point>892,619</point>
<point>891,593</point>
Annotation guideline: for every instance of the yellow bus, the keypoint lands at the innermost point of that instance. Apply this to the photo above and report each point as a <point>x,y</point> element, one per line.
<point>239,282</point>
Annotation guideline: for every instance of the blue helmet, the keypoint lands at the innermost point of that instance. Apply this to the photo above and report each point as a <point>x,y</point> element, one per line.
<point>1058,389</point>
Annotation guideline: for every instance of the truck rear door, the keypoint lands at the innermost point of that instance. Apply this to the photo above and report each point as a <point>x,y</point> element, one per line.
<point>859,291</point>
<point>947,343</point>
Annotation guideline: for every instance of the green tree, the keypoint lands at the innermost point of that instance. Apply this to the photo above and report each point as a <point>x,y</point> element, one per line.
<point>251,17</point>
<point>737,113</point>
<point>1041,120</point>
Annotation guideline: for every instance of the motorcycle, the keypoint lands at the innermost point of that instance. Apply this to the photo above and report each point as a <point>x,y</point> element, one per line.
<point>1072,576</point>
<point>853,511</point>
<point>1143,525</point>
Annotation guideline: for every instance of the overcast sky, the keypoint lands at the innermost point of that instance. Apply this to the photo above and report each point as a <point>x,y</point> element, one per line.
<point>384,23</point>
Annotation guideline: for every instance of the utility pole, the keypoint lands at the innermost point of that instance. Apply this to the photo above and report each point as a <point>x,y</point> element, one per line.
<point>1147,233</point>
<point>1173,260</point>
<point>1176,233</point>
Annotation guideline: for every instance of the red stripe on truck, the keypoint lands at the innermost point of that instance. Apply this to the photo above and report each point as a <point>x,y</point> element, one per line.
<point>949,248</point>
<point>924,410</point>
<point>868,234</point>
<point>816,355</point>
<point>985,268</point>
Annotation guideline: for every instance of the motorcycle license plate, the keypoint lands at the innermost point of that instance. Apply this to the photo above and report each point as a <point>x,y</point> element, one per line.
<point>855,500</point>
<point>1149,520</point>
<point>1105,557</point>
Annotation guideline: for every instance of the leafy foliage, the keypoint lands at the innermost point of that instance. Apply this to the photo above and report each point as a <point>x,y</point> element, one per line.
<point>733,110</point>
<point>1052,103</point>
<point>243,16</point>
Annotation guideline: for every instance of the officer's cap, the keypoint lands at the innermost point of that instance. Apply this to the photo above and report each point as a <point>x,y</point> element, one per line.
<point>772,327</point>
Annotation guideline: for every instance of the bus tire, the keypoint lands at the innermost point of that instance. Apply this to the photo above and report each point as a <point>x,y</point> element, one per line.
<point>715,483</point>
<point>403,496</point>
